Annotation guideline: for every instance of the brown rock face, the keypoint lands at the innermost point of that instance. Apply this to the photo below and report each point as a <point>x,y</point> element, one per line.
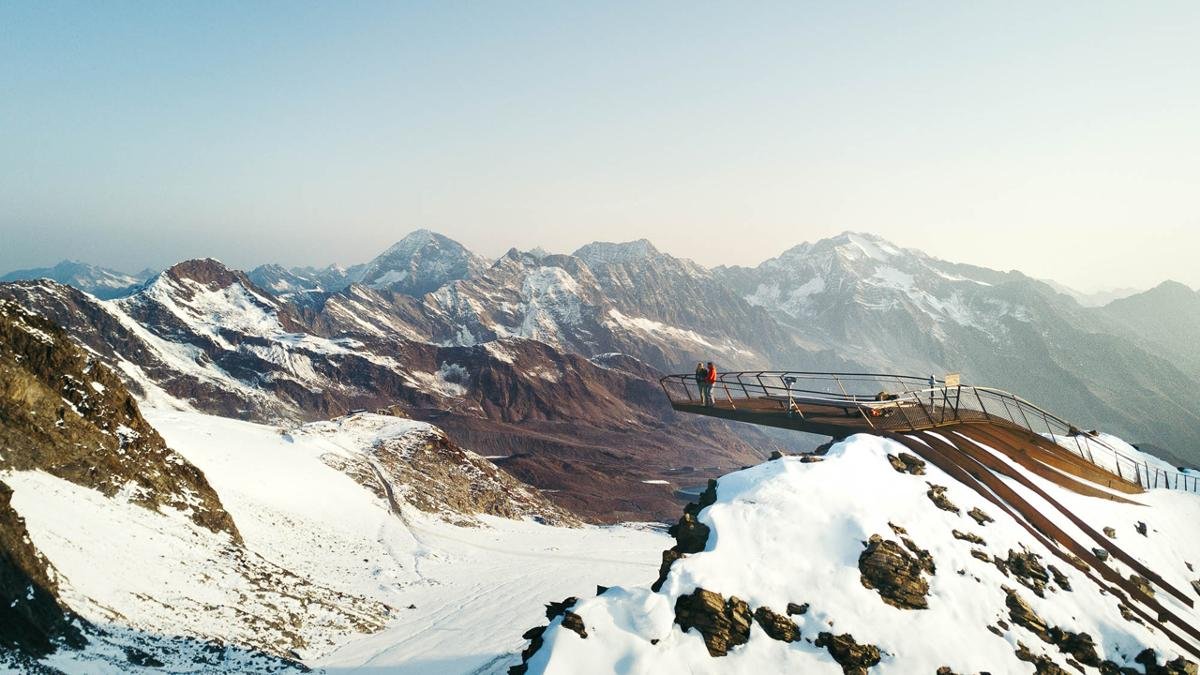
<point>1028,570</point>
<point>690,535</point>
<point>854,658</point>
<point>895,573</point>
<point>1023,615</point>
<point>63,412</point>
<point>724,624</point>
<point>937,494</point>
<point>778,626</point>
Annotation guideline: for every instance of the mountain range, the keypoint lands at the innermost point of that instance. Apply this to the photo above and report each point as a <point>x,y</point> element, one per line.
<point>303,342</point>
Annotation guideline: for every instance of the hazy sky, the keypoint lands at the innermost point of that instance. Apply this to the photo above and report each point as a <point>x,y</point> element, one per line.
<point>1061,139</point>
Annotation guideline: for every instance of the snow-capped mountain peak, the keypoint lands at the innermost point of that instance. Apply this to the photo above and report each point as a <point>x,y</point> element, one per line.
<point>421,262</point>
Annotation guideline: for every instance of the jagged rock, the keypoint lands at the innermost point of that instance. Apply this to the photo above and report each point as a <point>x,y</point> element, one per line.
<point>923,556</point>
<point>946,670</point>
<point>896,528</point>
<point>811,459</point>
<point>1142,584</point>
<point>937,494</point>
<point>793,609</point>
<point>981,555</point>
<point>980,516</point>
<point>723,624</point>
<point>556,609</point>
<point>573,622</point>
<point>906,463</point>
<point>854,658</point>
<point>534,635</point>
<point>968,536</point>
<point>895,573</point>
<point>1023,615</point>
<point>1079,646</point>
<point>1028,570</point>
<point>1148,658</point>
<point>690,535</point>
<point>1100,553</point>
<point>1141,528</point>
<point>776,455</point>
<point>1110,533</point>
<point>1128,614</point>
<point>669,556</point>
<point>1060,579</point>
<point>1196,586</point>
<point>778,626</point>
<point>1042,664</point>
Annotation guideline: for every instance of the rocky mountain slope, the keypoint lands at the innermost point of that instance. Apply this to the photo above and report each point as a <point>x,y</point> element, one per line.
<point>205,336</point>
<point>117,553</point>
<point>852,302</point>
<point>903,569</point>
<point>888,309</point>
<point>99,281</point>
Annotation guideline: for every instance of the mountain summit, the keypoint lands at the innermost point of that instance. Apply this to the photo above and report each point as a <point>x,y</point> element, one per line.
<point>420,263</point>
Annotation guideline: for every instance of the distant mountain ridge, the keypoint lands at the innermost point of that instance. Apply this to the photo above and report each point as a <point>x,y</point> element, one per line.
<point>850,302</point>
<point>101,282</point>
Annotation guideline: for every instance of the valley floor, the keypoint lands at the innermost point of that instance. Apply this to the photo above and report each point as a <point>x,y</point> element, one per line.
<point>442,597</point>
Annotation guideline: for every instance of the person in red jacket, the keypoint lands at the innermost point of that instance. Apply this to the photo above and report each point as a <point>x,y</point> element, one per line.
<point>710,380</point>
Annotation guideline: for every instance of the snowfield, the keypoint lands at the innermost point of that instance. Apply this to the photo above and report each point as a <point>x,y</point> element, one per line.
<point>360,586</point>
<point>792,532</point>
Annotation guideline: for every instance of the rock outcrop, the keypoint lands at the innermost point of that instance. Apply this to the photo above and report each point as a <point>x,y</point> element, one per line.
<point>896,573</point>
<point>778,626</point>
<point>854,658</point>
<point>64,412</point>
<point>724,624</point>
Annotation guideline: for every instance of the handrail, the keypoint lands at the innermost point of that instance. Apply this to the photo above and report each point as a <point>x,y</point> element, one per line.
<point>926,407</point>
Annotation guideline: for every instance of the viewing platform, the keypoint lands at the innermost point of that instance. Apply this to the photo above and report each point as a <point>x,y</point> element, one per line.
<point>927,410</point>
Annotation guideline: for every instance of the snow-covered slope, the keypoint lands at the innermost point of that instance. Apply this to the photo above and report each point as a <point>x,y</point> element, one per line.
<point>326,559</point>
<point>857,567</point>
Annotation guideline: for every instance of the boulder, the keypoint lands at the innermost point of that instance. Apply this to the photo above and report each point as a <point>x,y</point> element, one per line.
<point>968,536</point>
<point>937,494</point>
<point>778,626</point>
<point>854,658</point>
<point>895,573</point>
<point>980,516</point>
<point>724,624</point>
<point>906,463</point>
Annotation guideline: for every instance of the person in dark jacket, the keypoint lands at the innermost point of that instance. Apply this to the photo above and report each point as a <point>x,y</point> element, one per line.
<point>710,378</point>
<point>701,379</point>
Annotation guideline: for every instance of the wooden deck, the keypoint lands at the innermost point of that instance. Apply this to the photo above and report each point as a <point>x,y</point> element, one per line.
<point>961,429</point>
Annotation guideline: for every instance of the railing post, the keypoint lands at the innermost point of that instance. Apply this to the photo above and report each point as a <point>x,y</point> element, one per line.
<point>982,407</point>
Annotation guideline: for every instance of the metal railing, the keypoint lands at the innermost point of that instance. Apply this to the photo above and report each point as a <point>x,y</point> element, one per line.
<point>888,402</point>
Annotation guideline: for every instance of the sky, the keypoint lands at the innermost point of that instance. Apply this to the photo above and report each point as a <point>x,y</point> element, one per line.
<point>1060,139</point>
